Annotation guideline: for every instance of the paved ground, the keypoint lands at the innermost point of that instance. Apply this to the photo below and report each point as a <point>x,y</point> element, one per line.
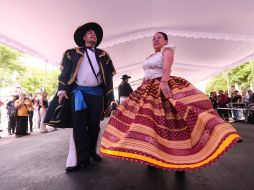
<point>38,162</point>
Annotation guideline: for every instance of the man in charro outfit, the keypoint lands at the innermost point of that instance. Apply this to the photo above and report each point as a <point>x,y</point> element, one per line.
<point>86,81</point>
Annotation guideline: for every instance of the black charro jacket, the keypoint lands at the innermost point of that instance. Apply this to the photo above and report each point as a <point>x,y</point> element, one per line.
<point>124,89</point>
<point>70,64</point>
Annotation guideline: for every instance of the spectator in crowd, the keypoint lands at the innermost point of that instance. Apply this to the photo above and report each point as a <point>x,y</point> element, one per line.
<point>30,111</point>
<point>250,97</point>
<point>213,99</point>
<point>249,114</point>
<point>223,100</point>
<point>236,98</point>
<point>36,115</point>
<point>43,111</point>
<point>11,113</point>
<point>124,89</point>
<point>245,97</point>
<point>22,105</point>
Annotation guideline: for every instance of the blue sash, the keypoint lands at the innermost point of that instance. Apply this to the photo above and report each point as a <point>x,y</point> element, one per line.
<point>80,103</point>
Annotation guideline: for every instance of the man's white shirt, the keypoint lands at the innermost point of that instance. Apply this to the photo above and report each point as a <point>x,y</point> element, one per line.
<point>85,75</point>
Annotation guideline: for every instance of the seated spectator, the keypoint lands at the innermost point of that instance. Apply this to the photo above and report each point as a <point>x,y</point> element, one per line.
<point>237,98</point>
<point>249,115</point>
<point>213,99</point>
<point>251,97</point>
<point>223,100</point>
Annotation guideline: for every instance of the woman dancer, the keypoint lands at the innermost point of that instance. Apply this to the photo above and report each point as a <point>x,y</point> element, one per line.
<point>166,122</point>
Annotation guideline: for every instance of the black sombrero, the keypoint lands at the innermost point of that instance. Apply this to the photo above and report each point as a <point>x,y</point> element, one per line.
<point>80,32</point>
<point>125,77</point>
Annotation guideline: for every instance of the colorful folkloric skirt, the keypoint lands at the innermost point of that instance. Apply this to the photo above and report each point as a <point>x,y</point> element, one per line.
<point>182,132</point>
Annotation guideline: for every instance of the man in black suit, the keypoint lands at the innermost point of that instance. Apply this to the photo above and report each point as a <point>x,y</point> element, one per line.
<point>124,89</point>
<point>86,81</point>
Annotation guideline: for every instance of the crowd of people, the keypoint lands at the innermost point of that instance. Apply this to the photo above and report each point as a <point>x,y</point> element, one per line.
<point>222,100</point>
<point>25,113</point>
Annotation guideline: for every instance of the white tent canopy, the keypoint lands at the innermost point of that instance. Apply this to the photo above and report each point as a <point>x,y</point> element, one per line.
<point>210,36</point>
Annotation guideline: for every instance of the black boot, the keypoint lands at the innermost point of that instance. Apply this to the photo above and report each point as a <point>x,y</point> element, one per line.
<point>151,167</point>
<point>179,173</point>
<point>96,157</point>
<point>79,166</point>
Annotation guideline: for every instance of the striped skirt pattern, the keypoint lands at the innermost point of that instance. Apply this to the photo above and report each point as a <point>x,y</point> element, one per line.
<point>182,132</point>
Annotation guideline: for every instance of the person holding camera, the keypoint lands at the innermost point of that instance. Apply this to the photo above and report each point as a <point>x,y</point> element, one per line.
<point>21,106</point>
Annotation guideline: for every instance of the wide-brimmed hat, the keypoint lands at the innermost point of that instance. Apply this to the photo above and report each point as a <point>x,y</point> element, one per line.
<point>125,77</point>
<point>81,30</point>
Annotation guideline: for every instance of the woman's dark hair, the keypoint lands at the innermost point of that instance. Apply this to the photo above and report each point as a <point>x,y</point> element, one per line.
<point>165,36</point>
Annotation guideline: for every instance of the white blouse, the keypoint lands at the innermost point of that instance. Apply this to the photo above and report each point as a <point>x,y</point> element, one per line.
<point>153,65</point>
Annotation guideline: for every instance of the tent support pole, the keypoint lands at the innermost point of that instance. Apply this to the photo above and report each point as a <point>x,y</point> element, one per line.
<point>45,75</point>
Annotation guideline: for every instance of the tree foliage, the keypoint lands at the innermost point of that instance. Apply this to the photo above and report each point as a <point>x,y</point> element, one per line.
<point>35,80</point>
<point>216,83</point>
<point>10,67</point>
<point>242,76</point>
<point>30,78</point>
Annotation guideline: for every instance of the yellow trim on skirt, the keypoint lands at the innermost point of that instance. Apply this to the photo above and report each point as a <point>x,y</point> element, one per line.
<point>221,148</point>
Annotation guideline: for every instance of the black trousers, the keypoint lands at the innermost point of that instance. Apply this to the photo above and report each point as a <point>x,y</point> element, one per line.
<point>30,119</point>
<point>11,124</point>
<point>22,124</point>
<point>86,126</point>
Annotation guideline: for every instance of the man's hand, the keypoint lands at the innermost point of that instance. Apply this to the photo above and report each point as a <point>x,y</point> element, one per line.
<point>107,111</point>
<point>61,96</point>
<point>165,89</point>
